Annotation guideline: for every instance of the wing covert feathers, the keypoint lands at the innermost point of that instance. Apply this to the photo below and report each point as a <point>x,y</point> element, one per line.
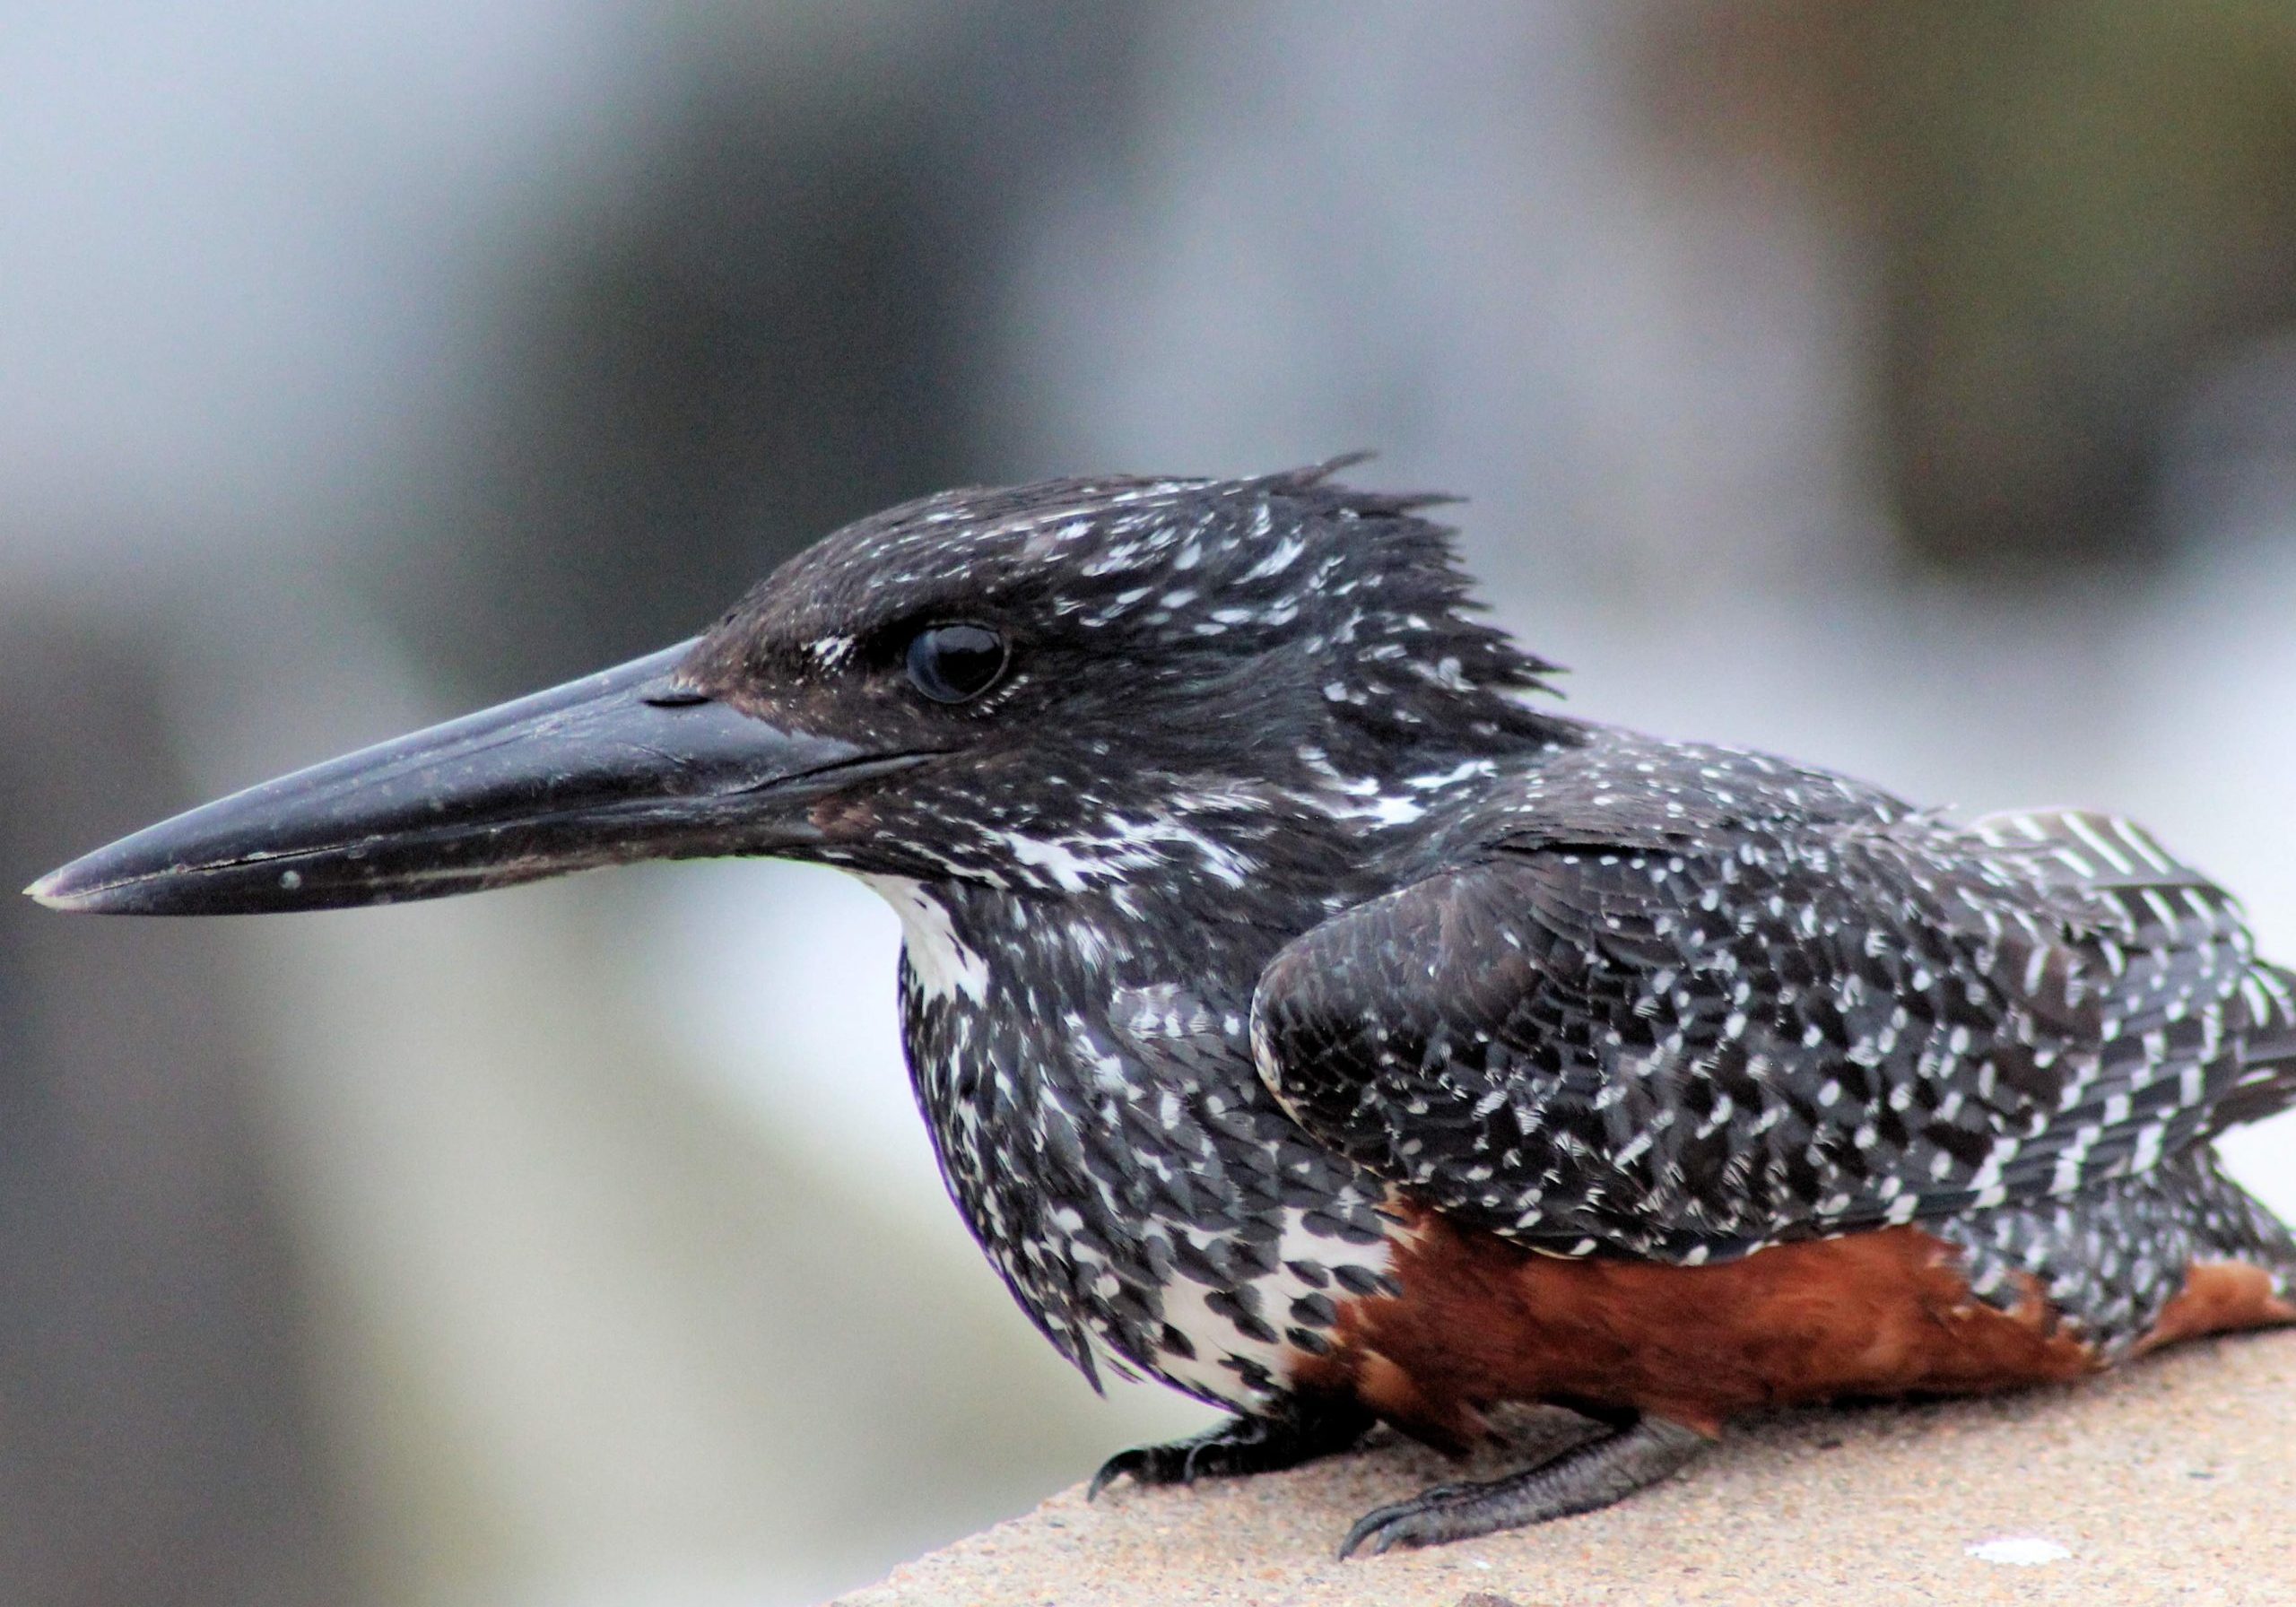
<point>1797,1009</point>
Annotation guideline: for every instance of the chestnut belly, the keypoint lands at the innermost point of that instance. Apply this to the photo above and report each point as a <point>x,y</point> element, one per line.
<point>1480,1321</point>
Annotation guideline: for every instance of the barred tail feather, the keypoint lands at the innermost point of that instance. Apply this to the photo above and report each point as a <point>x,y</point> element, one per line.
<point>2267,1082</point>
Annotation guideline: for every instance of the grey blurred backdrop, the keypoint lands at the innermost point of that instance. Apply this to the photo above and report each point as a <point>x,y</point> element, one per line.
<point>1909,387</point>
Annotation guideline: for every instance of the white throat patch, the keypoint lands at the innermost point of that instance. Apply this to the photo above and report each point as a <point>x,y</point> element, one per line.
<point>942,964</point>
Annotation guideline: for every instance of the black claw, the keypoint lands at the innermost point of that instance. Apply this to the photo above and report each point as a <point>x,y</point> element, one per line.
<point>1242,1445</point>
<point>1409,1522</point>
<point>1582,1479</point>
<point>1174,1463</point>
<point>1366,1526</point>
<point>1122,1462</point>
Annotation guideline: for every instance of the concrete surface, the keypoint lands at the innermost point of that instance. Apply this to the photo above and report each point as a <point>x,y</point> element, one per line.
<point>2172,1482</point>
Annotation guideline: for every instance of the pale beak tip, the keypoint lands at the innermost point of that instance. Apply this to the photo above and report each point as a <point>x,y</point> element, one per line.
<point>54,891</point>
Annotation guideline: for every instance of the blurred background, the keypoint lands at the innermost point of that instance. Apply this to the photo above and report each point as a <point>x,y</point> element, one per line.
<point>1910,387</point>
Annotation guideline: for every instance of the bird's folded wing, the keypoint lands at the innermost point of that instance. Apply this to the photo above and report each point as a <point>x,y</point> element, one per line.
<point>1685,1049</point>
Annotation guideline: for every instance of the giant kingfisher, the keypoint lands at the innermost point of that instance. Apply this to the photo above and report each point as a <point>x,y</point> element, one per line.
<point>1309,1017</point>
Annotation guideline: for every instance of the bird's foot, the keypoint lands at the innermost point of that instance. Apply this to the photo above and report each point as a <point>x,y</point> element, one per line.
<point>1241,1444</point>
<point>1588,1476</point>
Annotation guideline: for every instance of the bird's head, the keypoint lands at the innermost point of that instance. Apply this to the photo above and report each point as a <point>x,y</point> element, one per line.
<point>1035,687</point>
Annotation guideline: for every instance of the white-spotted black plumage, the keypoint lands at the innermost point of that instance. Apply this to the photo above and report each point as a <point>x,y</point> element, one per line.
<point>1258,899</point>
<point>1683,1002</point>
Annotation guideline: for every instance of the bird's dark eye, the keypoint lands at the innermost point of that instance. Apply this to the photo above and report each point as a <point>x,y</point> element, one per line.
<point>950,663</point>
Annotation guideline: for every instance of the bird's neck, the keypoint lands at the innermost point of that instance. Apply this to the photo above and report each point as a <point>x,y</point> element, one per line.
<point>1026,985</point>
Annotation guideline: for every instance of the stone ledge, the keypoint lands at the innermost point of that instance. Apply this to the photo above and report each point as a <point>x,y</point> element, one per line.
<point>2174,1481</point>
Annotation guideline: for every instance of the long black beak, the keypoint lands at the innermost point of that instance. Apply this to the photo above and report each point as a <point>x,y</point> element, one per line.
<point>624,765</point>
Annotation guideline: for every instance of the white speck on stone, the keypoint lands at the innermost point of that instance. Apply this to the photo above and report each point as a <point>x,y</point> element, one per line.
<point>2018,1550</point>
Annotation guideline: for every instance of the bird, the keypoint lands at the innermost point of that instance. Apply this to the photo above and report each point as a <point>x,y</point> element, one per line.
<point>1311,1016</point>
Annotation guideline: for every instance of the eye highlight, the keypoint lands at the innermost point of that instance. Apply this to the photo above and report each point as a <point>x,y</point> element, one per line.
<point>954,663</point>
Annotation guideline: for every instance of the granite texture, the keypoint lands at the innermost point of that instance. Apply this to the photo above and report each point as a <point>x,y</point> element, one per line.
<point>2173,1480</point>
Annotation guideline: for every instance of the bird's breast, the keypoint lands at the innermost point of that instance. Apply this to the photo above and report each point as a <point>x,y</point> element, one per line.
<point>1237,1328</point>
<point>1103,1131</point>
